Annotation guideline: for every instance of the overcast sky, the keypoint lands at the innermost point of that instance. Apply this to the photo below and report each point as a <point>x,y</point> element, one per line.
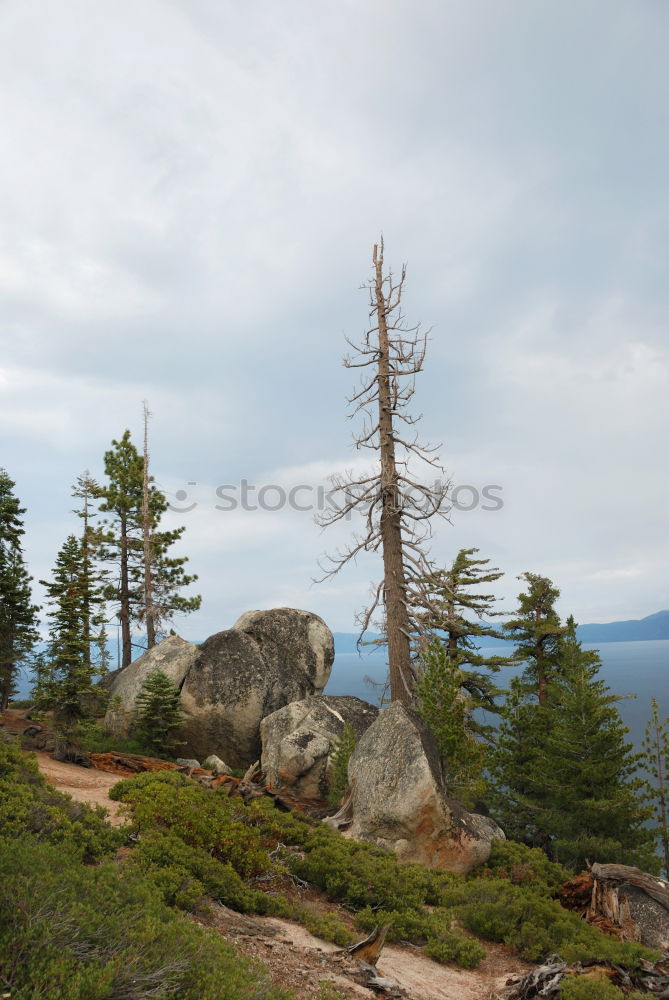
<point>190,193</point>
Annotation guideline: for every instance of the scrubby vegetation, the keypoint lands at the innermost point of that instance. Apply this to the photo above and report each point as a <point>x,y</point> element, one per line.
<point>193,841</point>
<point>29,807</point>
<point>75,931</point>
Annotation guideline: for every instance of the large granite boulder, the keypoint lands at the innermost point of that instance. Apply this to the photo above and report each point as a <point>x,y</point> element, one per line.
<point>265,661</point>
<point>234,679</point>
<point>299,739</point>
<point>397,799</point>
<point>173,656</point>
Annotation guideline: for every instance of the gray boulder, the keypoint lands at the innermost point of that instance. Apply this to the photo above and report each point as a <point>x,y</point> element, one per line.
<point>397,799</point>
<point>174,656</point>
<point>233,680</point>
<point>215,764</point>
<point>299,739</point>
<point>266,660</point>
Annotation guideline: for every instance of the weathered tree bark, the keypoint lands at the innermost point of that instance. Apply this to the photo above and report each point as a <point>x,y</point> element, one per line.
<point>396,506</point>
<point>149,606</point>
<point>124,595</point>
<point>394,583</point>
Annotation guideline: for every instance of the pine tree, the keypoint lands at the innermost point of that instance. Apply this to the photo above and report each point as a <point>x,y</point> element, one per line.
<point>158,713</point>
<point>516,793</point>
<point>123,544</point>
<point>566,779</point>
<point>656,764</point>
<point>596,807</point>
<point>448,710</point>
<point>457,614</point>
<point>121,497</point>
<point>18,615</point>
<point>93,577</point>
<point>76,652</point>
<point>536,628</point>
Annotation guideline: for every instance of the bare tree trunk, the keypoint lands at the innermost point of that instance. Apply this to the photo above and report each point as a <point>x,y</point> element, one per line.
<point>396,506</point>
<point>124,598</point>
<point>86,552</point>
<point>149,607</point>
<point>394,586</point>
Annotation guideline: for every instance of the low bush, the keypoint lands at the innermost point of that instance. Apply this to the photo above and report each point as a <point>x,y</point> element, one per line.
<point>456,948</point>
<point>73,932</point>
<point>91,737</point>
<point>593,988</point>
<point>28,805</point>
<point>229,849</point>
<point>523,865</point>
<point>536,926</point>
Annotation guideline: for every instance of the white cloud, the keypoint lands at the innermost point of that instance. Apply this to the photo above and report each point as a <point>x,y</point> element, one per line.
<point>190,193</point>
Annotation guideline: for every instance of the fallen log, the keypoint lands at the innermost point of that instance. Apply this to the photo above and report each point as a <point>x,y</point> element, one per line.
<point>129,763</point>
<point>546,980</point>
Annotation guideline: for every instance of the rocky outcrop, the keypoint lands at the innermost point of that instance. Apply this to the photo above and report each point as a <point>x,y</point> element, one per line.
<point>266,660</point>
<point>233,680</point>
<point>299,739</point>
<point>397,798</point>
<point>173,656</point>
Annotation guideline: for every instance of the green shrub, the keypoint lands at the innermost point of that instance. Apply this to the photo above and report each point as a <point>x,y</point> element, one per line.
<point>94,738</point>
<point>589,988</point>
<point>72,932</point>
<point>28,805</point>
<point>123,788</point>
<point>456,948</point>
<point>327,926</point>
<point>523,865</point>
<point>536,926</point>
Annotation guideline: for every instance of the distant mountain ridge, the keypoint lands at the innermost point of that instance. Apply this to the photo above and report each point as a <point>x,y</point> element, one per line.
<point>635,630</point>
<point>654,626</point>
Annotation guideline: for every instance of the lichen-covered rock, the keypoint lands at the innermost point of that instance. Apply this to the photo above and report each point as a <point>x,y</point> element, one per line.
<point>233,680</point>
<point>173,656</point>
<point>266,660</point>
<point>215,764</point>
<point>299,739</point>
<point>397,798</point>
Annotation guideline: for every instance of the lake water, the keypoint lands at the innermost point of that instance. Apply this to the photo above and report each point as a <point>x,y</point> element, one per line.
<point>629,668</point>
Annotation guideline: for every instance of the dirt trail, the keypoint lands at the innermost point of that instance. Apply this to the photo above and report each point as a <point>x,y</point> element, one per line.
<point>301,961</point>
<point>83,784</point>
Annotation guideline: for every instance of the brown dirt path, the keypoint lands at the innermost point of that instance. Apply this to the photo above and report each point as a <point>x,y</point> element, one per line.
<point>301,961</point>
<point>83,784</point>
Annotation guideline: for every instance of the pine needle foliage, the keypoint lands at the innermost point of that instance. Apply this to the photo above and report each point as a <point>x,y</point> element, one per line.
<point>459,615</point>
<point>77,649</point>
<point>656,765</point>
<point>159,717</point>
<point>18,614</point>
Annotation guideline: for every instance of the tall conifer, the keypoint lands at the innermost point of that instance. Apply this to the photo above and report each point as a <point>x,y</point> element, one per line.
<point>76,652</point>
<point>18,615</point>
<point>458,615</point>
<point>123,540</point>
<point>536,629</point>
<point>656,764</point>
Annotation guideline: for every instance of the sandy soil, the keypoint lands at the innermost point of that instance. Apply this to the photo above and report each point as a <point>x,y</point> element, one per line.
<point>82,783</point>
<point>299,960</point>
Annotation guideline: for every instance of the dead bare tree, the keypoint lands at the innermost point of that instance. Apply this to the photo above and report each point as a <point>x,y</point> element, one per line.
<point>396,506</point>
<point>147,527</point>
